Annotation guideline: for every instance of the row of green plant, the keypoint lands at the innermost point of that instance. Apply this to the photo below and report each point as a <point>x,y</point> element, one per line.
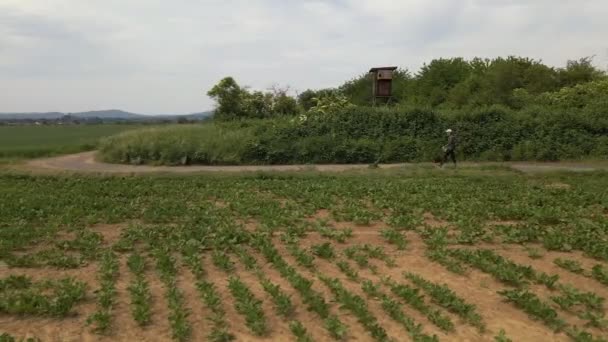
<point>597,272</point>
<point>106,295</point>
<point>326,231</point>
<point>210,296</point>
<point>311,298</point>
<point>249,306</point>
<point>245,302</point>
<point>282,301</point>
<point>20,295</point>
<point>139,289</point>
<point>535,307</point>
<point>542,311</point>
<point>55,257</point>
<point>178,213</point>
<point>511,273</point>
<point>413,298</point>
<point>178,314</point>
<point>348,270</point>
<point>6,337</point>
<point>503,269</point>
<point>445,297</point>
<point>357,306</point>
<point>395,237</point>
<point>395,310</point>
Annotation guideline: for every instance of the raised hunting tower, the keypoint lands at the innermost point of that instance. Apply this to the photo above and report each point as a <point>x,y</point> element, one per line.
<point>382,78</point>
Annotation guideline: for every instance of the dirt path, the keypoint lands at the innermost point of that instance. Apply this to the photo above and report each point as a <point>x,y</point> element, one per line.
<point>85,162</point>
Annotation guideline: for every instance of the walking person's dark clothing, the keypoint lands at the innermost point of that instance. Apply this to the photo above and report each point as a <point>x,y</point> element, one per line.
<point>449,150</point>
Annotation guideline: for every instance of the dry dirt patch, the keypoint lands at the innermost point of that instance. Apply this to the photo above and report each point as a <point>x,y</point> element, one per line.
<point>110,232</point>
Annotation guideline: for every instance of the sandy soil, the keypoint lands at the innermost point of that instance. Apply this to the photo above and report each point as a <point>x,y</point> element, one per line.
<point>86,163</point>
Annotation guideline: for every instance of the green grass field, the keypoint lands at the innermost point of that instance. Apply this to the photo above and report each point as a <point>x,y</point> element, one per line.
<point>419,254</point>
<point>39,141</point>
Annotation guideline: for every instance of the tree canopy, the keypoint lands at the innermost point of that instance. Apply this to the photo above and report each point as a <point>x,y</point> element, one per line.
<point>444,83</point>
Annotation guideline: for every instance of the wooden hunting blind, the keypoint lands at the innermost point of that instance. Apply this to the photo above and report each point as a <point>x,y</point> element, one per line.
<point>382,82</point>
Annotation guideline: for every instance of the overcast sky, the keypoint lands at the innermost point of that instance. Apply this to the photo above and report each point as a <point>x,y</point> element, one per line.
<point>161,56</point>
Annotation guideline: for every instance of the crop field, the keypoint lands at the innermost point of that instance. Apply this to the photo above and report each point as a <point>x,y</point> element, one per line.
<point>37,141</point>
<point>478,254</point>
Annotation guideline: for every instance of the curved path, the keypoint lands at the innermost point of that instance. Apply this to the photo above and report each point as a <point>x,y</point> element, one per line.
<point>86,162</point>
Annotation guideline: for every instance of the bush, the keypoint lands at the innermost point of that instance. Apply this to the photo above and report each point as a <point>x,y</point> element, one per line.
<point>365,135</point>
<point>173,145</point>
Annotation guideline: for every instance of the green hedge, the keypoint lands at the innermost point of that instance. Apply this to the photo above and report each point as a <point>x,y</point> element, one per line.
<point>365,135</point>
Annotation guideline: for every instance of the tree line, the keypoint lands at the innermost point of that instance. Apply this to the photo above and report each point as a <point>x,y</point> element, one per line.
<point>442,84</point>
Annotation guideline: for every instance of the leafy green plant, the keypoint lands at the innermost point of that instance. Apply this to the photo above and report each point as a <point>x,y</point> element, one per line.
<point>362,253</point>
<point>445,297</point>
<point>394,309</point>
<point>106,295</point>
<point>139,290</point>
<point>303,258</point>
<point>536,308</point>
<point>324,250</point>
<point>313,300</point>
<point>50,257</point>
<point>21,296</point>
<point>534,253</point>
<point>247,259</point>
<point>300,332</point>
<point>348,270</point>
<point>247,305</point>
<point>600,273</point>
<point>582,336</point>
<point>86,242</point>
<point>358,307</point>
<point>211,297</point>
<point>413,298</point>
<point>281,300</point>
<point>570,265</point>
<point>222,261</point>
<point>178,315</point>
<point>377,252</point>
<point>6,337</point>
<point>442,257</point>
<point>503,269</point>
<point>338,235</point>
<point>395,237</point>
<point>572,297</point>
<point>502,337</point>
<point>336,328</point>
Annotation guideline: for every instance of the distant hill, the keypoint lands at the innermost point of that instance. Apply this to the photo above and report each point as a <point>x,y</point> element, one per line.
<point>103,114</point>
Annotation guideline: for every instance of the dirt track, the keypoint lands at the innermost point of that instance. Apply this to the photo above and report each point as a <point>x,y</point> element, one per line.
<point>85,163</point>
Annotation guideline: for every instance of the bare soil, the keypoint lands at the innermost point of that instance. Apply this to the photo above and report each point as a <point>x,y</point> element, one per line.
<point>86,162</point>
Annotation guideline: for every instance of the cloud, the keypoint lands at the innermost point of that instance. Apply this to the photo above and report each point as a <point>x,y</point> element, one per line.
<point>156,56</point>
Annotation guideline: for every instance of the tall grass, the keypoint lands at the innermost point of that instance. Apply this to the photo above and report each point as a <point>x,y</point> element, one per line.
<point>367,135</point>
<point>178,144</point>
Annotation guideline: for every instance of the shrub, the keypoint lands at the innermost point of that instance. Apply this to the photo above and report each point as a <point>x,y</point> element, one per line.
<point>348,134</point>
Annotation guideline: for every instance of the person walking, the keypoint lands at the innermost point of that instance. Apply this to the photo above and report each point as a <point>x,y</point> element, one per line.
<point>449,150</point>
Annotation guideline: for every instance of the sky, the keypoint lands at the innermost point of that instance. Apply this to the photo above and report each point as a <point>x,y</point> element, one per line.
<point>162,56</point>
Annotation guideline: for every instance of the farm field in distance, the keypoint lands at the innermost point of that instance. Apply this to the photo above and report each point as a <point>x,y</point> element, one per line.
<point>29,141</point>
<point>486,254</point>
